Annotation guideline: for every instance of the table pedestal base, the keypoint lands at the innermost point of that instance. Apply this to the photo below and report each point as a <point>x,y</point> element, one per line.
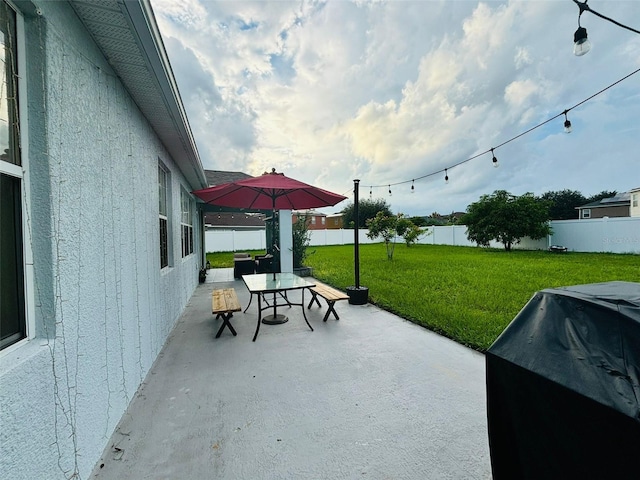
<point>275,319</point>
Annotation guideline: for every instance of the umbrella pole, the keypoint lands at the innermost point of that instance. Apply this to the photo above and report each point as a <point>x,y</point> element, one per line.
<point>275,246</point>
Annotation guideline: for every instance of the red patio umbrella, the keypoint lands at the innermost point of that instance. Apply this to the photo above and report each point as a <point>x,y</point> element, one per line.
<point>269,191</point>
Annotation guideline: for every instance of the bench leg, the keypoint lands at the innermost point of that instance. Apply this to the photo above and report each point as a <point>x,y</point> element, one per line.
<point>226,323</point>
<point>314,298</point>
<point>331,309</point>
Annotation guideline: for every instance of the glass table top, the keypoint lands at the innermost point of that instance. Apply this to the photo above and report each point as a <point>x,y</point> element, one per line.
<point>265,282</point>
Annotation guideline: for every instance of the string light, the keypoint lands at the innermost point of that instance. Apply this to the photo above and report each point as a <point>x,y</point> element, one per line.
<point>371,191</point>
<point>430,174</point>
<point>581,44</point>
<point>413,188</point>
<point>494,159</point>
<point>567,123</point>
<point>446,176</point>
<point>389,190</point>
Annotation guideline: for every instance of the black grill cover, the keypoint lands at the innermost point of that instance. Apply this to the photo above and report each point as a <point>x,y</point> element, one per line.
<point>563,389</point>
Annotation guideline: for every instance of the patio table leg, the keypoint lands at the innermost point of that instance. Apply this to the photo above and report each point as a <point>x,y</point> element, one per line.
<point>250,300</point>
<point>259,318</point>
<point>304,313</point>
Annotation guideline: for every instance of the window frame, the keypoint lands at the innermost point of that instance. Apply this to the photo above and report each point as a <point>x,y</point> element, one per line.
<point>586,213</point>
<point>186,223</point>
<point>21,172</point>
<point>164,226</point>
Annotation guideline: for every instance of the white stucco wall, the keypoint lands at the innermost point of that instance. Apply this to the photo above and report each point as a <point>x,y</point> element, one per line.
<point>103,307</point>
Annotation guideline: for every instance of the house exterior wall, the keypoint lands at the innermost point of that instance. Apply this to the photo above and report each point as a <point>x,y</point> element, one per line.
<point>101,308</point>
<point>634,209</point>
<point>334,222</point>
<point>601,212</point>
<point>314,222</point>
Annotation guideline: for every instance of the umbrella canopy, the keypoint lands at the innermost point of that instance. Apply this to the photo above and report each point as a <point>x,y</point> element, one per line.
<point>269,191</point>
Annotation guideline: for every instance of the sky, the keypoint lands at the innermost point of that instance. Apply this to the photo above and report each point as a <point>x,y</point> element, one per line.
<point>397,91</point>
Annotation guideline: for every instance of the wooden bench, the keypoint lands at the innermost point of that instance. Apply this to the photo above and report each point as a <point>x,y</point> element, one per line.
<point>223,303</point>
<point>330,294</point>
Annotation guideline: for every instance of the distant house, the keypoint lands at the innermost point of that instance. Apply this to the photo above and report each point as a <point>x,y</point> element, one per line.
<point>616,206</point>
<point>335,221</point>
<point>634,209</point>
<point>315,219</point>
<point>234,221</point>
<point>218,177</point>
<point>224,218</point>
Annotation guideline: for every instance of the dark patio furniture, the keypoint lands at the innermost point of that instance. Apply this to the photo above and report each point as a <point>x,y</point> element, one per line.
<point>264,263</point>
<point>243,264</point>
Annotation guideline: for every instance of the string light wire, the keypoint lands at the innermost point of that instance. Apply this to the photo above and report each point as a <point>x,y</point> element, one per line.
<point>490,150</point>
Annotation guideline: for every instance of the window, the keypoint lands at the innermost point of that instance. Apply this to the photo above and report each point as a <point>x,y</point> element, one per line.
<point>324,220</point>
<point>163,189</point>
<point>586,213</point>
<point>635,199</point>
<point>13,322</point>
<point>186,223</point>
<point>313,220</point>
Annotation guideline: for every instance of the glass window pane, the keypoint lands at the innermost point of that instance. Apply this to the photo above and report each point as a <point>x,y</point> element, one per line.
<point>162,191</point>
<point>164,246</point>
<point>9,128</point>
<point>12,309</point>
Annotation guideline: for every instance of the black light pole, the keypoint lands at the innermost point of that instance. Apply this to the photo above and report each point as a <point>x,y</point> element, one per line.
<point>357,295</point>
<point>356,239</point>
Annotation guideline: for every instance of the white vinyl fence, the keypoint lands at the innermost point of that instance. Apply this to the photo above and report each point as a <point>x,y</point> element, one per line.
<point>615,235</point>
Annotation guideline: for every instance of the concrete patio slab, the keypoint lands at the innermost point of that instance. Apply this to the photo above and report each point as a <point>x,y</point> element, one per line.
<point>368,396</point>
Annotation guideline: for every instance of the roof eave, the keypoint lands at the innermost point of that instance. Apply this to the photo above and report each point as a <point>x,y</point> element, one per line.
<point>145,27</point>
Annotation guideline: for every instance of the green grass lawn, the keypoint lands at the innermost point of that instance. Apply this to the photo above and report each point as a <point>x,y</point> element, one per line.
<point>468,294</point>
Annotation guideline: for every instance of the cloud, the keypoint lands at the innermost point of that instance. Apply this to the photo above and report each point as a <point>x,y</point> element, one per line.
<point>392,91</point>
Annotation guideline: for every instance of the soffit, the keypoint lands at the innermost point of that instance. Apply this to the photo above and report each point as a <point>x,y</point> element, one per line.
<point>127,34</point>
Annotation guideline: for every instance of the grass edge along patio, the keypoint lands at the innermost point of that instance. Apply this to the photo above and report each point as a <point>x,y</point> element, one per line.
<point>468,294</point>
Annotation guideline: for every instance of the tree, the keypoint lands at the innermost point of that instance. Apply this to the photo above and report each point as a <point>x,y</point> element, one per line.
<point>301,240</point>
<point>507,219</point>
<point>384,226</point>
<point>419,221</point>
<point>412,233</point>
<point>563,204</point>
<point>367,210</point>
<point>599,196</point>
<point>391,226</point>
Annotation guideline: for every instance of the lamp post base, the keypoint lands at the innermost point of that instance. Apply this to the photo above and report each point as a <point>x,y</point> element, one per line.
<point>358,295</point>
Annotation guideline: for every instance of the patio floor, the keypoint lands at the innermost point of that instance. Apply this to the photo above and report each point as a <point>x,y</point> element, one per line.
<point>369,396</point>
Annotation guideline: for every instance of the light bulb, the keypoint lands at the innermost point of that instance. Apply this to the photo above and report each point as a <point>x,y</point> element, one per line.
<point>567,122</point>
<point>495,162</point>
<point>581,43</point>
<point>567,126</point>
<point>413,188</point>
<point>446,176</point>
